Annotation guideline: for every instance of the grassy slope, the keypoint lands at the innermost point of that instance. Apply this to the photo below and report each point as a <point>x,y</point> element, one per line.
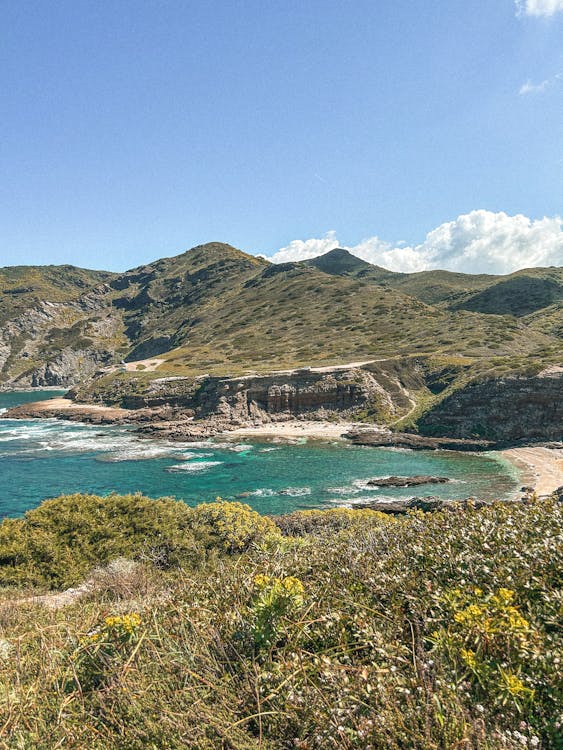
<point>431,287</point>
<point>336,628</point>
<point>23,289</point>
<point>519,294</point>
<point>165,298</point>
<point>548,320</point>
<point>23,286</point>
<point>440,286</point>
<point>223,310</point>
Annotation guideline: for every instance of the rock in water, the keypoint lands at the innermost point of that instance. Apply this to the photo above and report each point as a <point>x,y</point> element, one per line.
<point>406,481</point>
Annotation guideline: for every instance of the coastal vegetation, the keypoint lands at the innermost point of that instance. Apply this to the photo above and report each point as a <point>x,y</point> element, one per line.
<point>214,627</point>
<point>21,287</point>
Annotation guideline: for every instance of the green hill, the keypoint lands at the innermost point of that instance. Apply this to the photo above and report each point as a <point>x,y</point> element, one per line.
<point>340,262</point>
<point>436,287</point>
<point>23,286</point>
<point>519,294</point>
<point>215,309</point>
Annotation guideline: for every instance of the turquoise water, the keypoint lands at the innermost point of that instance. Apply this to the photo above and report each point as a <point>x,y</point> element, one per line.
<point>46,458</point>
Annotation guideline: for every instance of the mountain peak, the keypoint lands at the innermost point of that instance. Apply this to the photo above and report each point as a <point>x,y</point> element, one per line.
<point>341,262</point>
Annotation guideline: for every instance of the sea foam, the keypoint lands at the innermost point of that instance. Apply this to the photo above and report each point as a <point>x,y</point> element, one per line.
<point>193,466</point>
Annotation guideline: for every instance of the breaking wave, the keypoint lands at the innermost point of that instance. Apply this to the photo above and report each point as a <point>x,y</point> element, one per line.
<point>193,466</point>
<point>286,491</point>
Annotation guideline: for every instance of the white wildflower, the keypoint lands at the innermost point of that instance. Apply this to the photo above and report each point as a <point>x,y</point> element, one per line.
<point>6,649</point>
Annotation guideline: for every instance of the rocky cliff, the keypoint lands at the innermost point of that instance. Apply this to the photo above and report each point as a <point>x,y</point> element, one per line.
<point>305,392</point>
<point>444,361</point>
<point>411,393</point>
<point>59,343</point>
<point>369,392</point>
<point>504,409</point>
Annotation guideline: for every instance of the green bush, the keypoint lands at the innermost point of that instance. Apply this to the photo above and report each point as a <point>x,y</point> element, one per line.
<point>61,541</point>
<point>330,521</point>
<point>58,543</point>
<point>234,527</point>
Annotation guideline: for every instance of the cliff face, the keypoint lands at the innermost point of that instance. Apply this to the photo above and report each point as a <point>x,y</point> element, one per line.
<point>65,369</point>
<point>58,344</point>
<point>304,392</point>
<point>346,392</point>
<point>502,409</point>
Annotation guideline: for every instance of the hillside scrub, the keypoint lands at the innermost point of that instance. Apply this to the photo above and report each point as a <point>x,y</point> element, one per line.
<point>217,310</point>
<point>335,629</point>
<point>58,543</point>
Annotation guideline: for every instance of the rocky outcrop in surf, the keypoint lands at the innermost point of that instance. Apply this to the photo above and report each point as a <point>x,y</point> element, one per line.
<point>415,481</point>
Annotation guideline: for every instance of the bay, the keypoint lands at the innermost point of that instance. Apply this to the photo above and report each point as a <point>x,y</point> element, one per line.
<point>46,458</point>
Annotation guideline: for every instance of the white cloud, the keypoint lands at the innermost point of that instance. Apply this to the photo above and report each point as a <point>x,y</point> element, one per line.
<point>306,249</point>
<point>536,88</point>
<point>477,242</point>
<point>487,242</point>
<point>539,7</point>
<point>533,88</point>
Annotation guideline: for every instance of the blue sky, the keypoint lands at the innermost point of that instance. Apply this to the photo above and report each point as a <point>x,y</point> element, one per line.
<point>135,130</point>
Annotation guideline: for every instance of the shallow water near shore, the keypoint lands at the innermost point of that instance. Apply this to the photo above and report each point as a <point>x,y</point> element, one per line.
<point>46,458</point>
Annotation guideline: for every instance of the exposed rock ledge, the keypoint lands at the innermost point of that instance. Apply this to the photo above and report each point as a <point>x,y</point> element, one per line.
<point>62,408</point>
<point>431,504</point>
<point>378,438</point>
<point>428,504</point>
<point>167,422</point>
<point>406,481</point>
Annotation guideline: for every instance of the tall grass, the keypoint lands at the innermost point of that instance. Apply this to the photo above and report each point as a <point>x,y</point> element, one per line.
<point>428,632</point>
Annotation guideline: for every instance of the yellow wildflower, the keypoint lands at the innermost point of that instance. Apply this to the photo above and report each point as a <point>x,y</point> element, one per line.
<point>262,580</point>
<point>293,586</point>
<point>127,623</point>
<point>516,621</point>
<point>505,595</point>
<point>469,615</point>
<point>515,686</point>
<point>468,656</point>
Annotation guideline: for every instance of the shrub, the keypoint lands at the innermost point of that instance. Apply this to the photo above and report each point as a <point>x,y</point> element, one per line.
<point>275,599</point>
<point>234,526</point>
<point>102,648</point>
<point>58,543</point>
<point>329,521</point>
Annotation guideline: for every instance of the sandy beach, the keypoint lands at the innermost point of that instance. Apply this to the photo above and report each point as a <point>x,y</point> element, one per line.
<point>65,404</point>
<point>298,429</point>
<point>543,467</point>
<point>64,408</point>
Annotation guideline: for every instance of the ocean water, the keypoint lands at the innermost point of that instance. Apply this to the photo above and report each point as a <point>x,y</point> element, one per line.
<point>46,458</point>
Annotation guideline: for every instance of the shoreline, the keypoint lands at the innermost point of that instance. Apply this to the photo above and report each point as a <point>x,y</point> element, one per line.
<point>291,429</point>
<point>541,467</point>
<point>65,409</point>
